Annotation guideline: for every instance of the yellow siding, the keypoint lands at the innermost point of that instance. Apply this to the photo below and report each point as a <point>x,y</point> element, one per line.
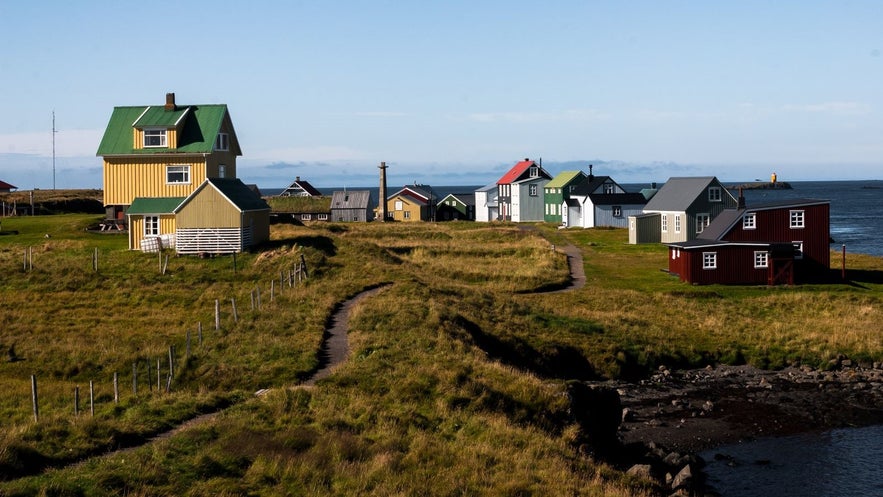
<point>130,177</point>
<point>407,206</point>
<point>138,138</point>
<point>167,225</point>
<point>209,209</point>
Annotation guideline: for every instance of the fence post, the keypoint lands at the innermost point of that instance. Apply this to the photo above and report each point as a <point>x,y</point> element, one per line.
<point>303,265</point>
<point>116,388</point>
<point>171,361</point>
<point>91,399</point>
<point>235,316</point>
<point>272,290</point>
<point>217,314</point>
<point>252,300</point>
<point>199,332</point>
<point>34,399</point>
<point>77,400</point>
<point>158,376</point>
<point>257,291</point>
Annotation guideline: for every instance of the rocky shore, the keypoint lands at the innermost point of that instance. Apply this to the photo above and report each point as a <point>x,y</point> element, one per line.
<point>668,418</point>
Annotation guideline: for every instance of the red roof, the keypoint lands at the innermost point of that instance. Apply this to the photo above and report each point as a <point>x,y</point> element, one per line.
<point>6,186</point>
<point>516,171</point>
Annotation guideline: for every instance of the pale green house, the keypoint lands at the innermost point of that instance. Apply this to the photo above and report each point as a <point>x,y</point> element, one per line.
<point>557,192</point>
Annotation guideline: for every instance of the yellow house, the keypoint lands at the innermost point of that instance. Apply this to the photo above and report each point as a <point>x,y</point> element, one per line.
<point>412,203</point>
<point>164,151</point>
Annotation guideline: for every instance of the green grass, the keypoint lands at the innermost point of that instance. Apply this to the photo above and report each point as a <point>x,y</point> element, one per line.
<point>456,375</point>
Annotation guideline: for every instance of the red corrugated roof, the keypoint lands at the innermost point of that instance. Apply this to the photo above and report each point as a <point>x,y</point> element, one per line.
<point>516,171</point>
<point>6,186</point>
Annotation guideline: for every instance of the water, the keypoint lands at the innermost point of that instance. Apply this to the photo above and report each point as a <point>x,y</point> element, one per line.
<point>841,463</point>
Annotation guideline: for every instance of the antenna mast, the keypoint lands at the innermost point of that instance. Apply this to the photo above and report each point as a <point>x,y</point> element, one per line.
<point>53,149</point>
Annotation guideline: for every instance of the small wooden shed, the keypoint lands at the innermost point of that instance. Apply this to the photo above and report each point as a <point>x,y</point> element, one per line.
<point>222,216</point>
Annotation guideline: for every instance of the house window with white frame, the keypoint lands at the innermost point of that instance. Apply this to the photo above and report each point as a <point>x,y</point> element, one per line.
<point>154,137</point>
<point>798,250</point>
<point>714,194</point>
<point>617,211</point>
<point>222,171</point>
<point>407,215</point>
<point>665,223</point>
<point>222,142</point>
<point>534,171</point>
<point>322,217</point>
<point>532,190</point>
<point>749,221</point>
<point>761,259</point>
<point>398,205</point>
<point>609,189</point>
<point>797,219</point>
<point>677,223</point>
<point>151,225</point>
<point>702,221</point>
<point>177,174</point>
<point>306,217</point>
<point>709,260</point>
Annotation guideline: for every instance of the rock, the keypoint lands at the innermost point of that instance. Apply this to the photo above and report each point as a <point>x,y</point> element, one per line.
<point>627,415</point>
<point>846,363</point>
<point>641,471</point>
<point>683,479</point>
<point>597,410</point>
<point>672,460</point>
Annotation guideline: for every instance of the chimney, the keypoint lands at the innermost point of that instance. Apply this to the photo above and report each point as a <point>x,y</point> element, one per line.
<point>382,203</point>
<point>591,176</point>
<point>170,102</point>
<point>741,199</point>
<point>297,178</point>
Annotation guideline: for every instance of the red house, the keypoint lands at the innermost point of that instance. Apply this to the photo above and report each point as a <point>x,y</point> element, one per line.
<point>771,243</point>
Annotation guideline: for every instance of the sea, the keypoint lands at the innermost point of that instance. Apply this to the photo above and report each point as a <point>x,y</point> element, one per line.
<point>856,206</point>
<point>845,462</point>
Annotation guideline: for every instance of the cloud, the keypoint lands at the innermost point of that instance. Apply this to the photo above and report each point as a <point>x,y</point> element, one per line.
<point>839,108</point>
<point>68,143</point>
<point>322,153</point>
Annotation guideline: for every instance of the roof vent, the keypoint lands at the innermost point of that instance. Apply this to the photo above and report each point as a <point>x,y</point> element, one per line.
<point>170,102</point>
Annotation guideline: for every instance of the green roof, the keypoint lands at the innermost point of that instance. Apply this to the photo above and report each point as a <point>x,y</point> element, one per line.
<point>563,179</point>
<point>198,131</point>
<point>154,205</point>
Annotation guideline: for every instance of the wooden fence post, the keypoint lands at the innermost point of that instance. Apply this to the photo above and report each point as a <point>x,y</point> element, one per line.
<point>272,290</point>
<point>217,314</point>
<point>171,361</point>
<point>77,400</point>
<point>95,260</point>
<point>199,332</point>
<point>116,388</point>
<point>235,316</point>
<point>252,300</point>
<point>303,265</point>
<point>34,399</point>
<point>91,399</point>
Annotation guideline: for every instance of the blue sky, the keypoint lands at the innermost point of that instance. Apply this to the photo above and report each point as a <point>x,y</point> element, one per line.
<point>456,92</point>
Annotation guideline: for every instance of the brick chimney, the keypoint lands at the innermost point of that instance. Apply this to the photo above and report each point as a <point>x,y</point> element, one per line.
<point>170,102</point>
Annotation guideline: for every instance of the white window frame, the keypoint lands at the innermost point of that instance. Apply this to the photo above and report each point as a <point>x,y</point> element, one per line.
<point>617,211</point>
<point>702,222</point>
<point>160,134</point>
<point>677,223</point>
<point>664,224</point>
<point>406,215</point>
<point>761,259</point>
<point>306,217</point>
<point>798,219</point>
<point>798,250</point>
<point>609,189</point>
<point>709,260</point>
<point>178,169</point>
<point>532,190</point>
<point>151,225</point>
<point>322,217</point>
<point>714,194</point>
<point>399,205</point>
<point>222,171</point>
<point>534,171</point>
<point>749,221</point>
<point>222,142</point>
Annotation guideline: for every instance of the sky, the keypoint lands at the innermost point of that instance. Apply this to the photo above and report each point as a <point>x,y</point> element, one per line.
<point>456,92</point>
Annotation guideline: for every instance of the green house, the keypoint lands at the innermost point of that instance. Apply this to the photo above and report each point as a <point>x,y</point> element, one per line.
<point>557,192</point>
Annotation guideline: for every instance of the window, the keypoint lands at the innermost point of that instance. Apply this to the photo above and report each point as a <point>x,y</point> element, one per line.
<point>389,215</point>
<point>797,219</point>
<point>609,189</point>
<point>617,211</point>
<point>677,223</point>
<point>407,214</point>
<point>709,260</point>
<point>532,190</point>
<point>151,225</point>
<point>154,137</point>
<point>534,171</point>
<point>306,217</point>
<point>702,221</point>
<point>714,194</point>
<point>749,222</point>
<point>398,205</point>
<point>798,250</point>
<point>761,259</point>
<point>665,223</point>
<point>322,217</point>
<point>222,171</point>
<point>223,142</point>
<point>178,174</point>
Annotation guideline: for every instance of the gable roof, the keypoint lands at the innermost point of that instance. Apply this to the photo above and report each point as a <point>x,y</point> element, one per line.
<point>6,186</point>
<point>420,193</point>
<point>564,178</point>
<point>589,184</point>
<point>677,194</point>
<point>617,199</point>
<point>724,222</point>
<point>234,190</point>
<point>463,198</point>
<point>350,199</point>
<point>519,169</point>
<point>199,128</point>
<point>301,187</point>
<point>154,205</point>
<point>492,187</point>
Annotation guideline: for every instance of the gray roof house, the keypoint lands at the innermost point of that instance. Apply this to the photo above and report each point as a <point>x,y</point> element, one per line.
<point>600,201</point>
<point>486,207</point>
<point>351,205</point>
<point>681,209</point>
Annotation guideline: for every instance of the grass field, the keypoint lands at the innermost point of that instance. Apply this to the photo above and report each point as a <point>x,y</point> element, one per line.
<point>455,381</point>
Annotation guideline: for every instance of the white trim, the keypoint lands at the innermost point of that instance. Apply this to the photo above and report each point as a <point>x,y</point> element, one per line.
<point>186,111</point>
<point>140,116</point>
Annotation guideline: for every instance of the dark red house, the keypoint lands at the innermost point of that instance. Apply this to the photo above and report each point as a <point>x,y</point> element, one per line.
<point>771,243</point>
